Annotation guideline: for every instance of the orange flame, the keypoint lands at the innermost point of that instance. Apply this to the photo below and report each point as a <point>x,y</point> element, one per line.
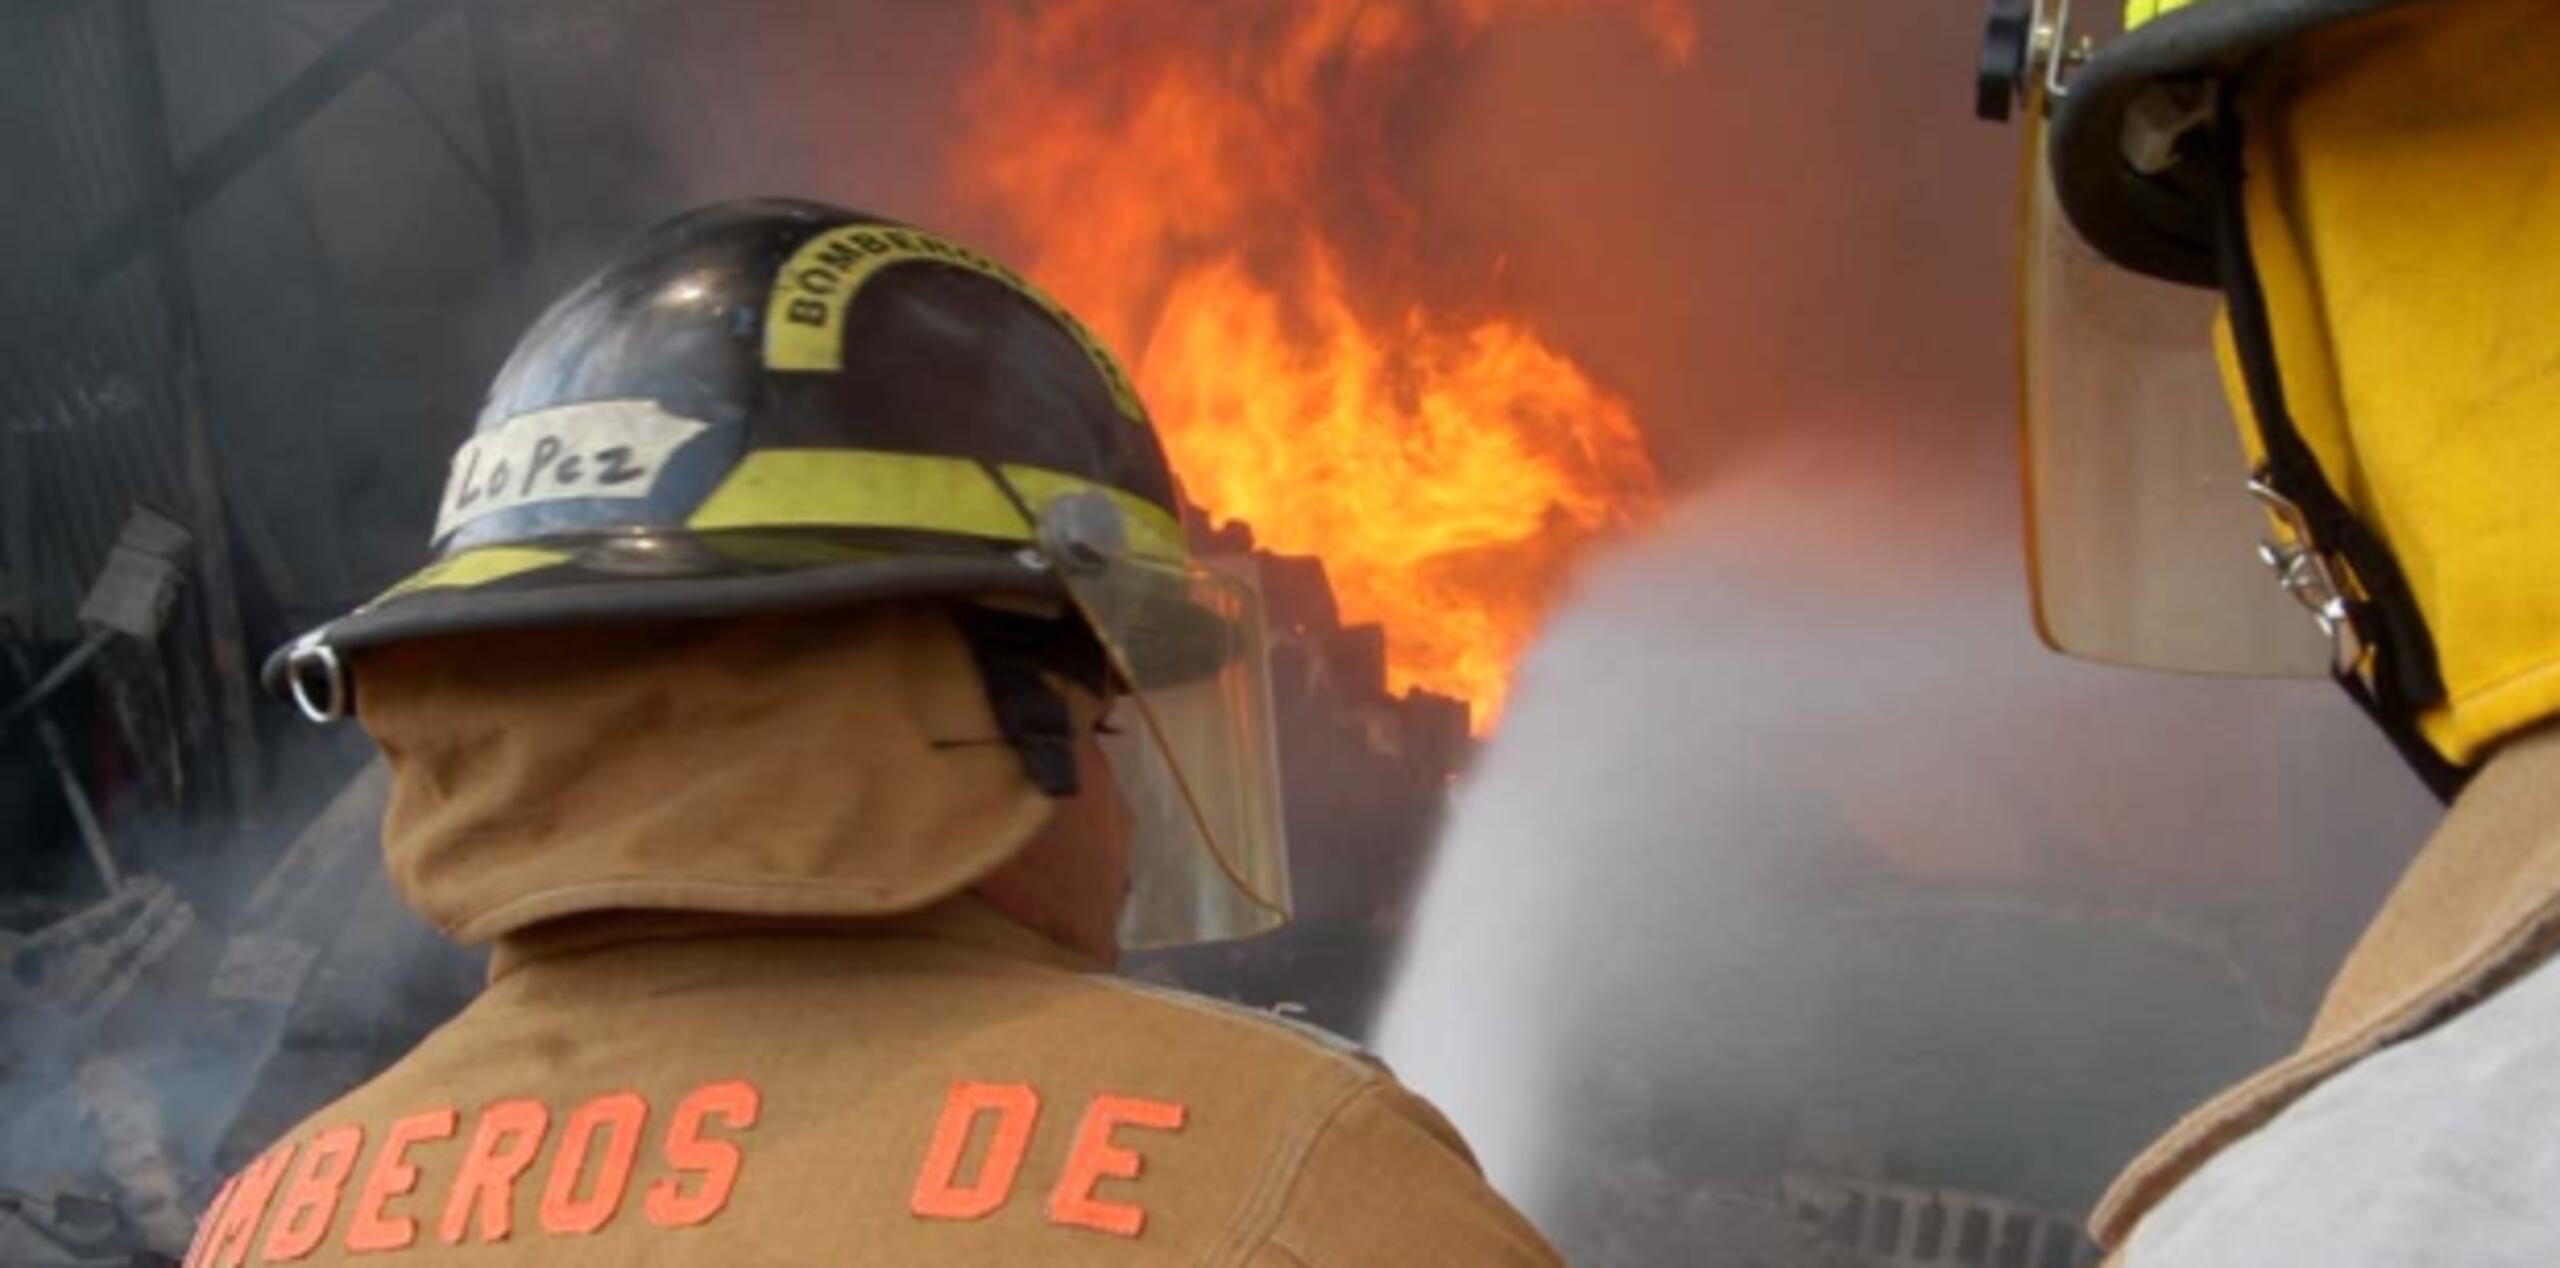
<point>1215,187</point>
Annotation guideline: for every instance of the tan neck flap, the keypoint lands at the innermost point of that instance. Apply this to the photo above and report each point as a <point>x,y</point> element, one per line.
<point>832,764</point>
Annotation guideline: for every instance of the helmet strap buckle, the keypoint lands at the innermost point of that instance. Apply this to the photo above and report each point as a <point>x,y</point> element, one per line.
<point>2310,573</point>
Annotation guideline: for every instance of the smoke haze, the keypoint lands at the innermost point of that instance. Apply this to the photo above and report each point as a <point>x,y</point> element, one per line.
<point>1790,822</point>
<point>1793,820</point>
<point>1793,812</point>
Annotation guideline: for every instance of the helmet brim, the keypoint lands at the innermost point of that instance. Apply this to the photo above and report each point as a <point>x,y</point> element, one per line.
<point>574,592</point>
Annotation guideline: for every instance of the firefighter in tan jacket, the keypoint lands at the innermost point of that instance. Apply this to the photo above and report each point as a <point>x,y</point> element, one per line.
<point>811,694</point>
<point>2344,217</point>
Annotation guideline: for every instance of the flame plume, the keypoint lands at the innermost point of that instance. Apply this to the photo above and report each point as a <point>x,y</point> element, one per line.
<point>1214,187</point>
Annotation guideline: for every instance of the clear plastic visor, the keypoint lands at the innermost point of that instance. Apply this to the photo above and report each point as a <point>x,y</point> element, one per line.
<point>2141,533</point>
<point>1191,747</point>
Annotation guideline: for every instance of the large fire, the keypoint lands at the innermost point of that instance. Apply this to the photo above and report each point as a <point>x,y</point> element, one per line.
<point>1218,188</point>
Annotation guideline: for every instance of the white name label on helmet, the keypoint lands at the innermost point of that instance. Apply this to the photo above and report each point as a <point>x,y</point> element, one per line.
<point>594,449</point>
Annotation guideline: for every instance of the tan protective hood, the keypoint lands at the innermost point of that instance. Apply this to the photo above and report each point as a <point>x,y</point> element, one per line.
<point>829,765</point>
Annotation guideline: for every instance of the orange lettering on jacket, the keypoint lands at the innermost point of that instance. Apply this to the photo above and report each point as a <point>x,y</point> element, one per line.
<point>474,1187</point>
<point>1097,1157</point>
<point>311,1200</point>
<point>714,1164</point>
<point>503,1145</point>
<point>618,1117</point>
<point>938,1194</point>
<point>237,1225</point>
<point>373,1228</point>
<point>207,1222</point>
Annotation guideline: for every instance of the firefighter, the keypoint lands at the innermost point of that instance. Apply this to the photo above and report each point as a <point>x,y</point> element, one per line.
<point>809,696</point>
<point>2343,218</point>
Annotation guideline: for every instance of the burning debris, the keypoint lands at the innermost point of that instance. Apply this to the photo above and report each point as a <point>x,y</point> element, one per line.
<point>1223,190</point>
<point>1233,195</point>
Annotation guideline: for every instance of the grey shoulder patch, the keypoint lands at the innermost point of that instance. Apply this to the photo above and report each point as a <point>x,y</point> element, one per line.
<point>1303,1031</point>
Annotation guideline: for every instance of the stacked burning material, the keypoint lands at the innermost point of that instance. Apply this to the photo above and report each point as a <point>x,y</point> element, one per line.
<point>1446,461</point>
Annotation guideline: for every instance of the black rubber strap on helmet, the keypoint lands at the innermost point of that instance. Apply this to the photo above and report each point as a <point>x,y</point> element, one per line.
<point>2405,676</point>
<point>1018,656</point>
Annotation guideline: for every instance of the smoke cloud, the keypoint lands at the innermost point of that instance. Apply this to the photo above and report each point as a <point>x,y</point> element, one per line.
<point>1791,821</point>
<point>1793,814</point>
<point>1795,835</point>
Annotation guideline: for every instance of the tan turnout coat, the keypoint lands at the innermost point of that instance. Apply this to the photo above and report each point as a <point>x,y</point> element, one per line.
<point>2476,911</point>
<point>742,1010</point>
<point>946,1089</point>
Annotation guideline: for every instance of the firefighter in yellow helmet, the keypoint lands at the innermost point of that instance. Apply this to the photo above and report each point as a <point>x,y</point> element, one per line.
<point>810,694</point>
<point>2342,218</point>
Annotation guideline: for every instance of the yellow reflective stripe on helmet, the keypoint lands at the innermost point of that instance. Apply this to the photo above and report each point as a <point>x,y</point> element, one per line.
<point>861,488</point>
<point>804,315</point>
<point>1153,534</point>
<point>475,568</point>
<point>864,488</point>
<point>849,488</point>
<point>2137,12</point>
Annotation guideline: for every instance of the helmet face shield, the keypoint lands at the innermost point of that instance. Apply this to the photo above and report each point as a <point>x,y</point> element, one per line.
<point>2141,532</point>
<point>1191,747</point>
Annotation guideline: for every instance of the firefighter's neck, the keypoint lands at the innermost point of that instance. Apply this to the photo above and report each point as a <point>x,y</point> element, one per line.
<point>1069,881</point>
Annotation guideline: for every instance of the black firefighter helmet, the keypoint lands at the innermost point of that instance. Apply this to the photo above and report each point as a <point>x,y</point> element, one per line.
<point>764,406</point>
<point>773,406</point>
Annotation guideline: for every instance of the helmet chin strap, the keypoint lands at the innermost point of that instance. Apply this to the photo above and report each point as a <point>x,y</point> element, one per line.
<point>2387,660</point>
<point>1030,713</point>
<point>1021,658</point>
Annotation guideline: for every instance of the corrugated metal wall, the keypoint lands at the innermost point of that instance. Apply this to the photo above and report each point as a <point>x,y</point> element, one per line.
<point>88,426</point>
<point>248,256</point>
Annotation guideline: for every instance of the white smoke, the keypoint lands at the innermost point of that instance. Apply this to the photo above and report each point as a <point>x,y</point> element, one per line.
<point>1815,687</point>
